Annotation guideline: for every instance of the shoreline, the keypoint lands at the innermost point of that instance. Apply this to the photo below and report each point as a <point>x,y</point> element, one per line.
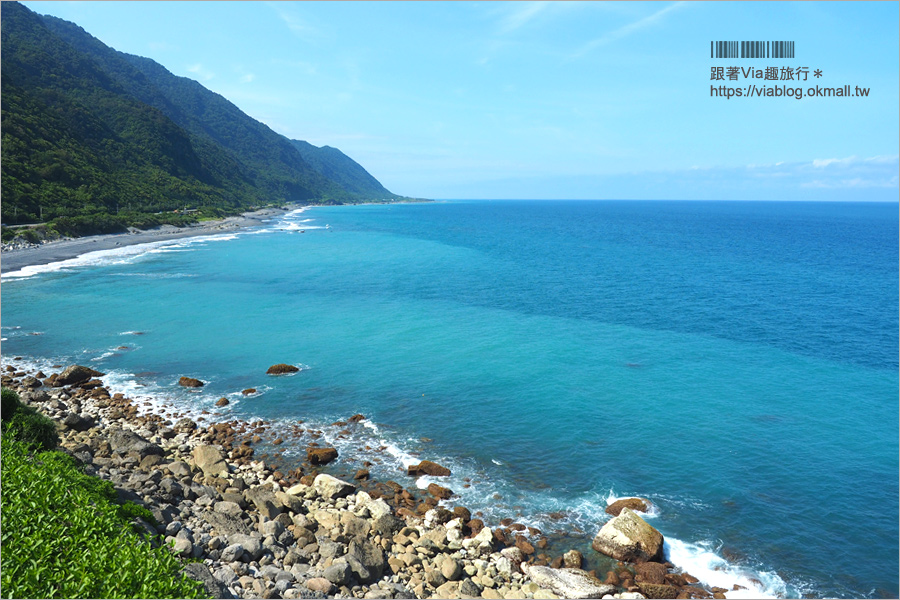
<point>68,248</point>
<point>426,550</point>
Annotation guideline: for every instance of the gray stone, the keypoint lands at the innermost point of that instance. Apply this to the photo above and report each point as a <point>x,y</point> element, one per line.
<point>225,574</point>
<point>329,548</point>
<point>173,528</point>
<point>339,573</point>
<point>123,441</point>
<point>275,574</point>
<point>629,538</point>
<point>231,509</point>
<point>180,469</point>
<point>290,502</point>
<point>386,525</point>
<point>469,588</point>
<point>263,498</point>
<point>78,422</point>
<point>225,524</point>
<point>183,546</point>
<point>214,587</point>
<point>252,546</point>
<point>232,553</point>
<point>210,460</point>
<point>569,583</point>
<point>366,559</point>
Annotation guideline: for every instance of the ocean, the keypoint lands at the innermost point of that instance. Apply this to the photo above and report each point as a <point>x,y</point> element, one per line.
<point>734,362</point>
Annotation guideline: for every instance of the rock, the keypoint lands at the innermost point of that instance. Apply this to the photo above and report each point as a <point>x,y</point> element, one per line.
<point>439,491</point>
<point>366,560</point>
<point>339,573</point>
<point>209,459</point>
<point>638,504</point>
<point>229,508</point>
<point>321,456</point>
<point>183,547</point>
<point>263,497</point>
<point>451,569</point>
<point>361,475</point>
<point>252,546</point>
<point>190,382</point>
<point>573,559</point>
<point>123,441</point>
<point>281,369</point>
<point>569,583</point>
<point>426,467</point>
<point>656,590</point>
<point>650,572</point>
<point>448,590</point>
<point>74,375</point>
<point>214,586</point>
<point>179,469</point>
<point>225,524</point>
<point>332,487</point>
<point>78,422</point>
<point>320,584</point>
<point>629,538</point>
<point>354,526</point>
<point>469,588</point>
<point>222,402</point>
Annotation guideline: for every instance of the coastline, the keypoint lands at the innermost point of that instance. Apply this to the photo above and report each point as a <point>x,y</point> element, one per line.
<point>59,250</point>
<point>298,524</point>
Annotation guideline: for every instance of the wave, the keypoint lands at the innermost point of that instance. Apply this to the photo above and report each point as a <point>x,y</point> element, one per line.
<point>118,255</point>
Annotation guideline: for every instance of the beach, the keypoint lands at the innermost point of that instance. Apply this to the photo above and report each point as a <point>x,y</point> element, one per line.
<point>55,251</point>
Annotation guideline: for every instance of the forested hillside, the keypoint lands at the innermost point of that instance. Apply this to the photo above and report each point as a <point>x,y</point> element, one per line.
<point>95,140</point>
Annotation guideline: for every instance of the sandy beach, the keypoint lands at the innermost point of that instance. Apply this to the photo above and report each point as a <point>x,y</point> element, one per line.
<point>13,260</point>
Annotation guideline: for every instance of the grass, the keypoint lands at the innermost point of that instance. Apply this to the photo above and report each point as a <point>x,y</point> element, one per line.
<point>63,534</point>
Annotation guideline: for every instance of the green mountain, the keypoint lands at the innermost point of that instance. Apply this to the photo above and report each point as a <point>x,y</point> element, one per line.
<point>94,139</point>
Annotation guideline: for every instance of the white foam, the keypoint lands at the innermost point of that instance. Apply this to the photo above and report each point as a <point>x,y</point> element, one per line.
<point>713,570</point>
<point>115,256</point>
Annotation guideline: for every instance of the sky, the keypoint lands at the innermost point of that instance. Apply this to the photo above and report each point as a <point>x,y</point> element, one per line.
<point>568,100</point>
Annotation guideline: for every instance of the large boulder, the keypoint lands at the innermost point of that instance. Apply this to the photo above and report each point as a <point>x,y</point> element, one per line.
<point>366,560</point>
<point>281,369</point>
<point>124,441</point>
<point>426,467</point>
<point>332,487</point>
<point>200,572</point>
<point>263,497</point>
<point>75,374</point>
<point>629,538</point>
<point>210,460</point>
<point>569,583</point>
<point>636,504</point>
<point>321,456</point>
<point>190,382</point>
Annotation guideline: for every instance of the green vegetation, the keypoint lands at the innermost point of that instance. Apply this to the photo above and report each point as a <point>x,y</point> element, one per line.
<point>25,424</point>
<point>95,140</point>
<point>63,534</point>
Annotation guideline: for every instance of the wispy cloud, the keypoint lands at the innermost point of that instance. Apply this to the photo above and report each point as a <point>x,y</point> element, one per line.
<point>293,21</point>
<point>627,30</point>
<point>201,72</point>
<point>522,13</point>
<point>247,78</point>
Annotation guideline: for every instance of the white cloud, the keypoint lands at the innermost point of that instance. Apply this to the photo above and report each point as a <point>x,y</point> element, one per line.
<point>247,78</point>
<point>521,14</point>
<point>200,71</point>
<point>627,30</point>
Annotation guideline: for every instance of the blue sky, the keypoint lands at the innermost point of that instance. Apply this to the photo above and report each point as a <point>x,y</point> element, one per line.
<point>544,99</point>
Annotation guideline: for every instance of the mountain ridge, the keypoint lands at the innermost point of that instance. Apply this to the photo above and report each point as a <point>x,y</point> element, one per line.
<point>95,140</point>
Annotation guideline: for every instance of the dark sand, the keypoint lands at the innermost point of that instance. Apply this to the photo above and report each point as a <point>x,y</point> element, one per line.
<point>51,252</point>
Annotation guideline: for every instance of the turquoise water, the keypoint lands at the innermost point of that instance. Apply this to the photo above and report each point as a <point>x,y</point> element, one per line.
<point>736,363</point>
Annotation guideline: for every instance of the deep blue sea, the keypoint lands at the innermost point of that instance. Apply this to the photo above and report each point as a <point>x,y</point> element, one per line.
<point>734,362</point>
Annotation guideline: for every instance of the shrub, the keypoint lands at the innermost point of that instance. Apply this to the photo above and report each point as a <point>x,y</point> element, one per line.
<point>9,403</point>
<point>63,538</point>
<point>32,428</point>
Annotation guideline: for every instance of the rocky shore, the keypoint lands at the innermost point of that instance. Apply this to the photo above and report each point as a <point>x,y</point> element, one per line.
<point>258,530</point>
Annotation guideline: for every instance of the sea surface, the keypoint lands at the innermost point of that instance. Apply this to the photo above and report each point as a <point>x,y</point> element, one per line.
<point>734,362</point>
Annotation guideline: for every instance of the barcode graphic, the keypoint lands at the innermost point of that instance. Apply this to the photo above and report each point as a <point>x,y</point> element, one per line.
<point>751,49</point>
